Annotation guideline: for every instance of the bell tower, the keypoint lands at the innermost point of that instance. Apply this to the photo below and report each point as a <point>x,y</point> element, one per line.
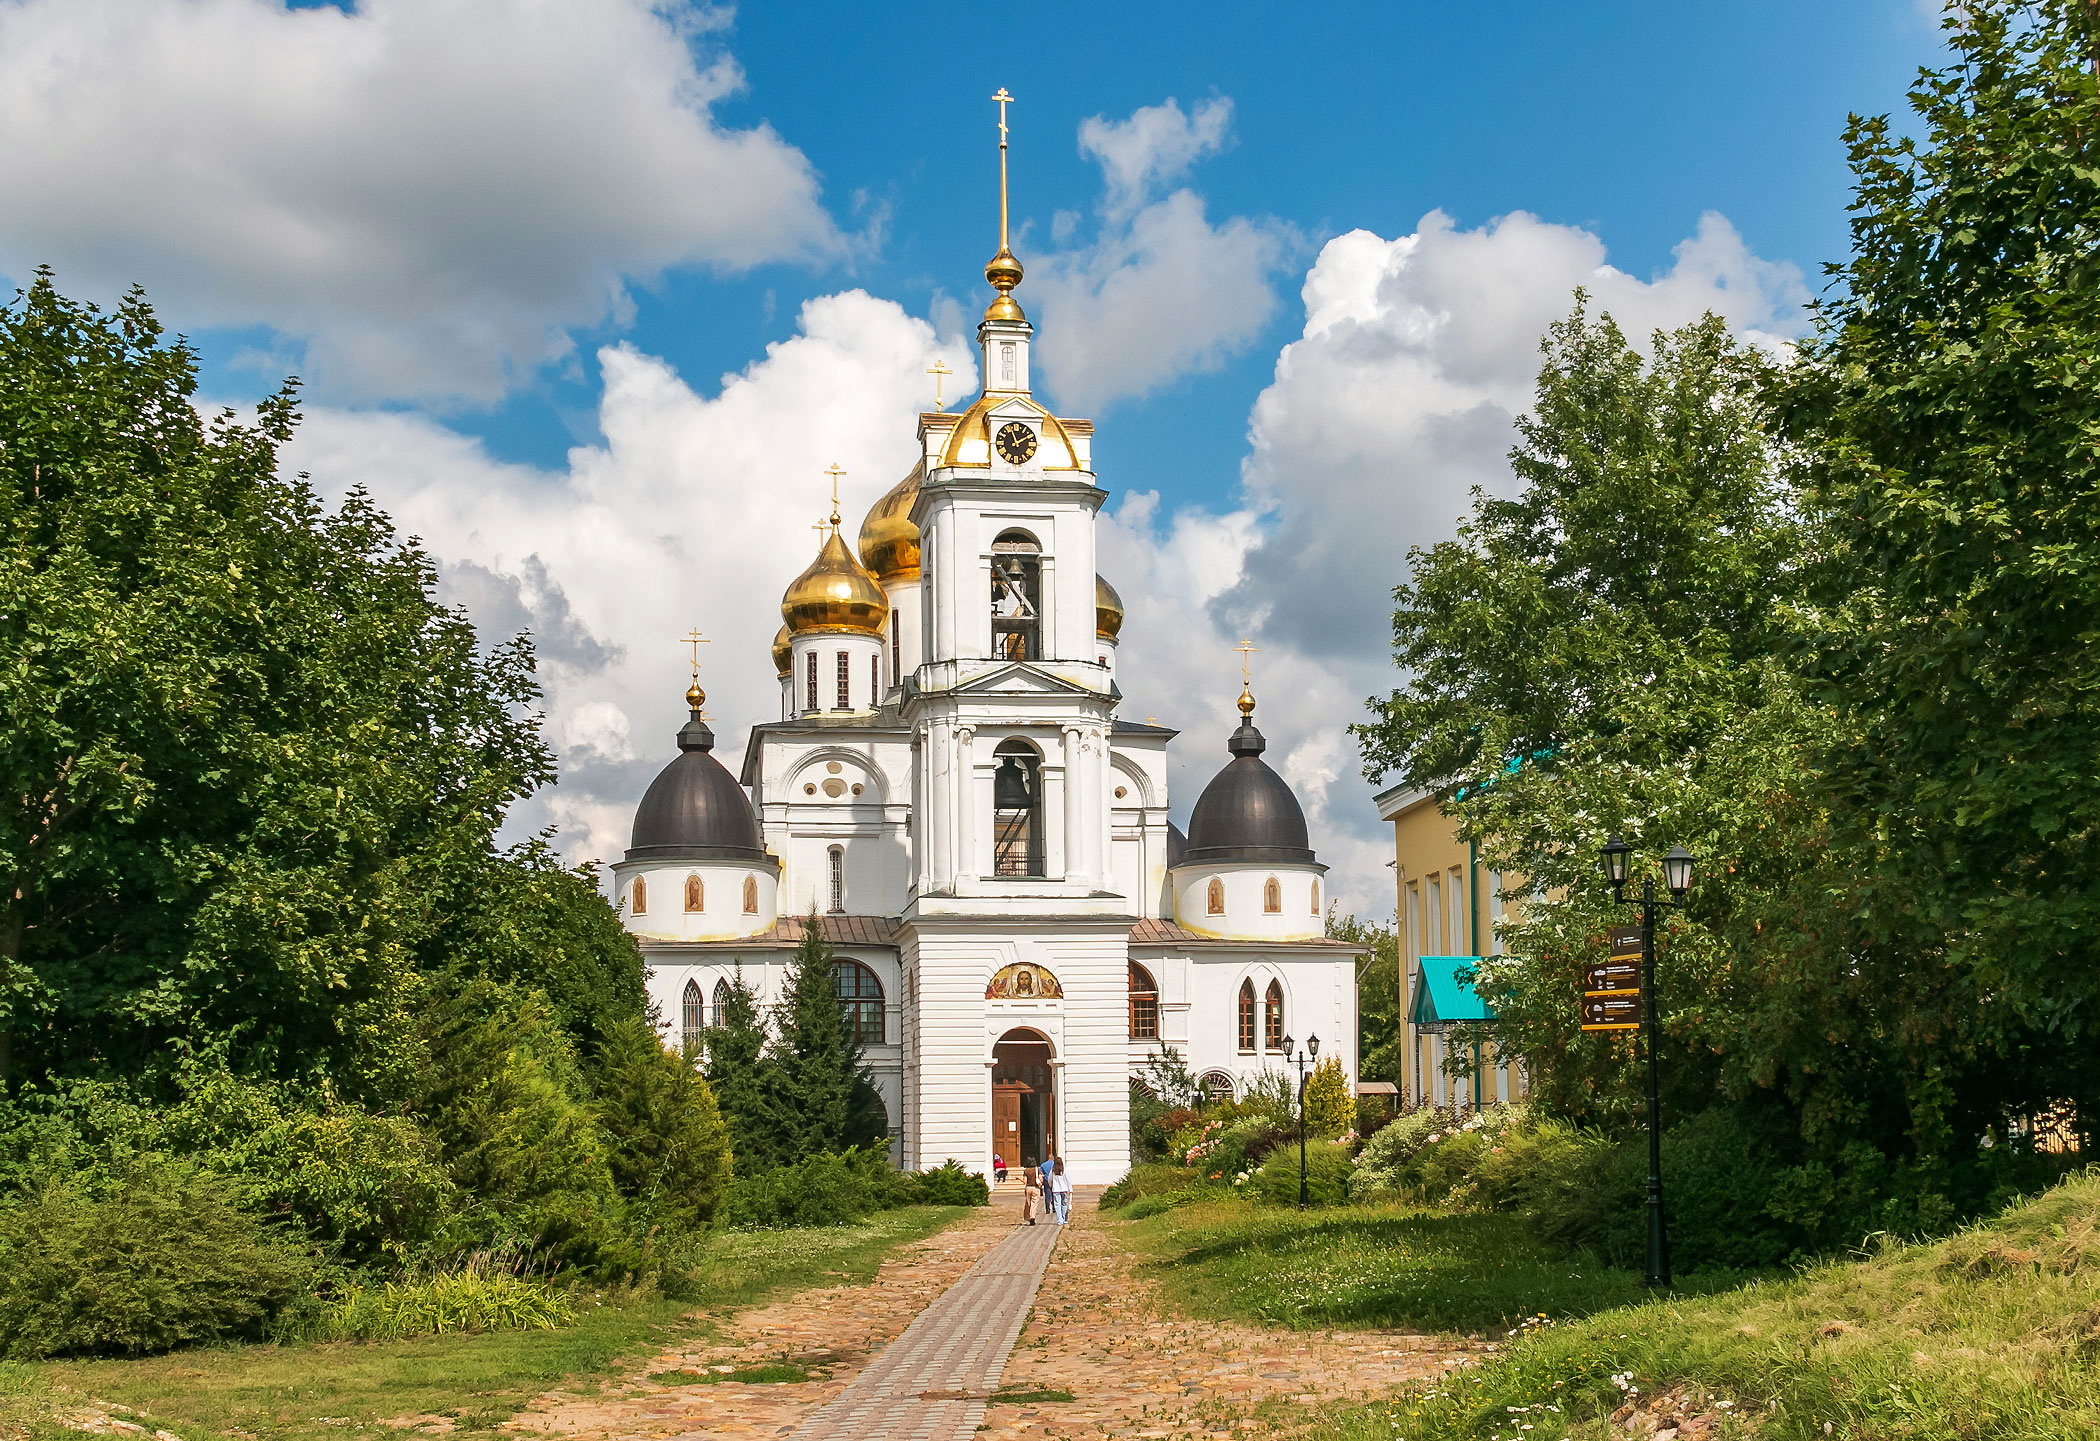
<point>1011,706</point>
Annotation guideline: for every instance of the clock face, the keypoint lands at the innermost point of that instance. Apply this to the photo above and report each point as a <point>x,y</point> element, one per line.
<point>1016,443</point>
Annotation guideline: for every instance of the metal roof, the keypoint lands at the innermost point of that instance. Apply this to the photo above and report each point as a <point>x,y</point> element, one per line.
<point>1446,993</point>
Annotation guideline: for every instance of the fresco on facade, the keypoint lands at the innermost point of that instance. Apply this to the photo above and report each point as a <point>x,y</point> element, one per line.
<point>1024,982</point>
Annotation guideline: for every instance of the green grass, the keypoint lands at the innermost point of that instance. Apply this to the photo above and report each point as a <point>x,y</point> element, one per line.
<point>308,1391</point>
<point>773,1373</point>
<point>1373,1266</point>
<point>1028,1398</point>
<point>1993,1333</point>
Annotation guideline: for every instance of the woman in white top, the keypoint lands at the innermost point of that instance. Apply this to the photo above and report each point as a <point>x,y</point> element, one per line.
<point>1061,1192</point>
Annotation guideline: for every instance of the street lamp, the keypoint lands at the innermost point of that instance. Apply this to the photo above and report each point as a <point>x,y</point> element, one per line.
<point>1312,1046</point>
<point>1677,877</point>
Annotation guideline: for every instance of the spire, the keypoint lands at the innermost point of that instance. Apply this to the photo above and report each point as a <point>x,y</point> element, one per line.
<point>1003,270</point>
<point>695,698</point>
<point>1246,741</point>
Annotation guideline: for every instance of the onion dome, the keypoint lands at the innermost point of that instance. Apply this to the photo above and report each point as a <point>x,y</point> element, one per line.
<point>694,809</point>
<point>783,656</point>
<point>1247,812</point>
<point>889,542</point>
<point>1177,845</point>
<point>1108,610</point>
<point>836,593</point>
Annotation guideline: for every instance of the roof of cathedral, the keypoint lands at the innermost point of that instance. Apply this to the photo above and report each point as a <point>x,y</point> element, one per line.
<point>836,593</point>
<point>1247,812</point>
<point>889,542</point>
<point>1177,845</point>
<point>882,931</point>
<point>695,810</point>
<point>1151,932</point>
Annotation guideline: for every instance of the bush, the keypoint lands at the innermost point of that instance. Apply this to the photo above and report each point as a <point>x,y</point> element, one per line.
<point>1327,1169</point>
<point>670,1146</point>
<point>1379,1163</point>
<point>821,1190</point>
<point>1155,1180</point>
<point>948,1184</point>
<point>156,1259</point>
<point>1329,1108</point>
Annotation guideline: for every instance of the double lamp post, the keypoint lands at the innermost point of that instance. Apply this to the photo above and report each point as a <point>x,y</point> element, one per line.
<point>1312,1046</point>
<point>1677,879</point>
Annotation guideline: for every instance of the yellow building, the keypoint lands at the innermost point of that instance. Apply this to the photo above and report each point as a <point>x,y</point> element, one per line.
<point>1449,908</point>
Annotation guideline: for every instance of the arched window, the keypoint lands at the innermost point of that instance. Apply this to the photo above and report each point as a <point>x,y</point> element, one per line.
<point>750,895</point>
<point>719,1016</point>
<point>1017,597</point>
<point>896,641</point>
<point>1247,1016</point>
<point>1272,896</point>
<point>1017,810</point>
<point>810,672</point>
<point>1217,1085</point>
<point>695,895</point>
<point>1316,895</point>
<point>838,879</point>
<point>875,680</point>
<point>1144,1004</point>
<point>640,907</point>
<point>1272,1017</point>
<point>861,996</point>
<point>692,1015</point>
<point>1216,897</point>
<point>845,696</point>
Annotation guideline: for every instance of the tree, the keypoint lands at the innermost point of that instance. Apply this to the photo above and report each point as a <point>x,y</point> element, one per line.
<point>1329,1108</point>
<point>240,742</point>
<point>1947,412</point>
<point>736,1069</point>
<point>821,1097</point>
<point>670,1148</point>
<point>1380,1042</point>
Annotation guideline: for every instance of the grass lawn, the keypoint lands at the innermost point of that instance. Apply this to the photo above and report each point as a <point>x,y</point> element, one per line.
<point>1993,1333</point>
<point>292,1393</point>
<point>1374,1266</point>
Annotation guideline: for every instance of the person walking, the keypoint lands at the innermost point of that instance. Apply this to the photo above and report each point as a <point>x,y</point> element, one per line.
<point>1061,1192</point>
<point>1031,1196</point>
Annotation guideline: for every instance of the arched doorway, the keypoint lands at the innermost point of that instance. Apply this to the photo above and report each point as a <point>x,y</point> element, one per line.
<point>1024,1099</point>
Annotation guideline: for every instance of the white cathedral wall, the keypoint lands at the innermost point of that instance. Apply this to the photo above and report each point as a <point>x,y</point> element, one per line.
<point>1199,1007</point>
<point>852,793</point>
<point>910,648</point>
<point>1301,915</point>
<point>862,653</point>
<point>722,916</point>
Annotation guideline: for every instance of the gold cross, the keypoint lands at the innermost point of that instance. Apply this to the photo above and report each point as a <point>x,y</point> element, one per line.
<point>939,371</point>
<point>1246,648</point>
<point>1004,100</point>
<point>834,472</point>
<point>696,640</point>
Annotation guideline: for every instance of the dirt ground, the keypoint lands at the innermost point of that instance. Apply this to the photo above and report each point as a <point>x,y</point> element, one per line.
<point>1101,1330</point>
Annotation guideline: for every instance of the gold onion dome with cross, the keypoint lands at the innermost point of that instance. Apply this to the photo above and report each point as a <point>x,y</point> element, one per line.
<point>889,542</point>
<point>836,593</point>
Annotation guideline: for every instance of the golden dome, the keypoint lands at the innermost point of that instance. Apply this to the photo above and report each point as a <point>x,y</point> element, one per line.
<point>783,658</point>
<point>836,593</point>
<point>969,441</point>
<point>889,542</point>
<point>1108,609</point>
<point>1004,271</point>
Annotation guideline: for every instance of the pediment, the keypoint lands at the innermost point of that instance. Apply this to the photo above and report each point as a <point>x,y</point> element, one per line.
<point>1021,678</point>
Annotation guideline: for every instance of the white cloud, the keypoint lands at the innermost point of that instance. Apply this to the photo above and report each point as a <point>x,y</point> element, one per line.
<point>1160,292</point>
<point>696,510</point>
<point>422,195</point>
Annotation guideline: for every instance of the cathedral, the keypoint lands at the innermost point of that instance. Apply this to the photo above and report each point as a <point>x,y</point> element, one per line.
<point>1018,928</point>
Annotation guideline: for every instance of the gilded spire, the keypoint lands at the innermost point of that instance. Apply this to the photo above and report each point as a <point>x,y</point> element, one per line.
<point>1246,648</point>
<point>695,697</point>
<point>1003,270</point>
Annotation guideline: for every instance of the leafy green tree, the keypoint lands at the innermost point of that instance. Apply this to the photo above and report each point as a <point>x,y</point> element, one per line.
<point>1380,1045</point>
<point>239,742</point>
<point>1947,413</point>
<point>821,1097</point>
<point>670,1147</point>
<point>1606,652</point>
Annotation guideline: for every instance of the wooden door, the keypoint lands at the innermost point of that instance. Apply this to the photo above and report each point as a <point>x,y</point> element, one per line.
<point>1006,1122</point>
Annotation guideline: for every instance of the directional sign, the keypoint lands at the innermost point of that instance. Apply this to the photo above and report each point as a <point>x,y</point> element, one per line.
<point>1625,941</point>
<point>1612,976</point>
<point>1612,1011</point>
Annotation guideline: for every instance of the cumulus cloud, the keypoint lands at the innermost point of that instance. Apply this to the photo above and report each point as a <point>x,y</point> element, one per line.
<point>419,198</point>
<point>1159,292</point>
<point>695,510</point>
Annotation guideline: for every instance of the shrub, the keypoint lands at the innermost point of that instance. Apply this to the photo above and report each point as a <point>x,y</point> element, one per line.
<point>1151,1180</point>
<point>670,1146</point>
<point>1378,1165</point>
<point>1327,1168</point>
<point>948,1184</point>
<point>156,1259</point>
<point>1329,1108</point>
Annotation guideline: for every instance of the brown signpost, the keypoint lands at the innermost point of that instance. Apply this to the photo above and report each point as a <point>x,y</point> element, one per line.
<point>1611,992</point>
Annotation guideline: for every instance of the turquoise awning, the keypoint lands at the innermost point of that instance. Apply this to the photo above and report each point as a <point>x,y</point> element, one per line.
<point>1446,993</point>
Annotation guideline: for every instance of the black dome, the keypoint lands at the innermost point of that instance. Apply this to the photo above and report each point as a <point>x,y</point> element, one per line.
<point>1247,812</point>
<point>695,810</point>
<point>1177,845</point>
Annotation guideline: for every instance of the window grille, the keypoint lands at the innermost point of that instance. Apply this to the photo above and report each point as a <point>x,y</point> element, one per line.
<point>838,880</point>
<point>1144,1004</point>
<point>811,669</point>
<point>845,681</point>
<point>1272,1021</point>
<point>692,1015</point>
<point>860,994</point>
<point>1247,1016</point>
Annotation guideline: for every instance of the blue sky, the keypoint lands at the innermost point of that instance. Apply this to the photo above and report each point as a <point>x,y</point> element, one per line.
<point>588,292</point>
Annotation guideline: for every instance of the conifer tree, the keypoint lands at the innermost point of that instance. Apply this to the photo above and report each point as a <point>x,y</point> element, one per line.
<point>736,1071</point>
<point>821,1097</point>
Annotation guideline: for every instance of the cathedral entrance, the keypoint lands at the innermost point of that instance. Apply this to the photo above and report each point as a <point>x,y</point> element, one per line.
<point>1024,1103</point>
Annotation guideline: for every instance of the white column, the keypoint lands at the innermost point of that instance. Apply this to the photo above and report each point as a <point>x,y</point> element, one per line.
<point>1077,862</point>
<point>1057,838</point>
<point>962,801</point>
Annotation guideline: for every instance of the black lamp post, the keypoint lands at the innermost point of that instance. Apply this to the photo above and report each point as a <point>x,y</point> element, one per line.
<point>1677,877</point>
<point>1312,1045</point>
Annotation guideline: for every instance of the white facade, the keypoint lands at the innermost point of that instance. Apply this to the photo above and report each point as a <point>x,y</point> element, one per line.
<point>979,830</point>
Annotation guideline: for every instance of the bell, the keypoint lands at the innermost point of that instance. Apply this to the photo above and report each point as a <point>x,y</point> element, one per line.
<point>1010,787</point>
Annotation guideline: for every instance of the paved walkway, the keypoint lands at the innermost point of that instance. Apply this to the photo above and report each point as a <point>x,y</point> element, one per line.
<point>932,1383</point>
